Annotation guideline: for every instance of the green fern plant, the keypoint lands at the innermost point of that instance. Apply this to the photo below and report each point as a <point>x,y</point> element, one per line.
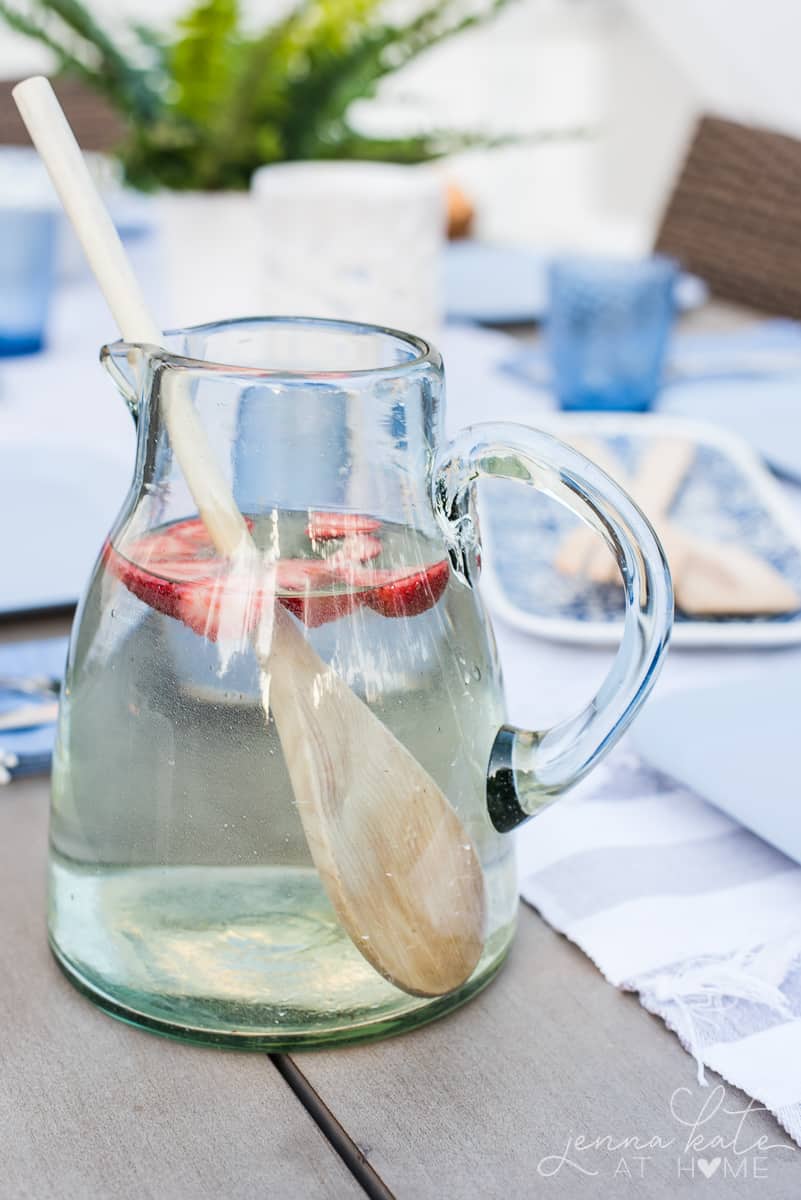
<point>207,105</point>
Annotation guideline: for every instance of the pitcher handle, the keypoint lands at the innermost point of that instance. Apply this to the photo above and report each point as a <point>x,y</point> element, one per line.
<point>528,770</point>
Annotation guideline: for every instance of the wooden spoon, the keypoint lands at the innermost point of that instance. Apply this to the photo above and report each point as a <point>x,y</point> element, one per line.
<point>709,578</point>
<point>717,580</point>
<point>659,475</point>
<point>396,861</point>
<point>663,468</point>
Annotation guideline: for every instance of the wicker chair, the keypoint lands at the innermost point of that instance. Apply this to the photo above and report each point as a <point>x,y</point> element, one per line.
<point>734,217</point>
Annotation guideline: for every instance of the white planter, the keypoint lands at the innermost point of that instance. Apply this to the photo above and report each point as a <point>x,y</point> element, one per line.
<point>211,256</point>
<point>356,241</point>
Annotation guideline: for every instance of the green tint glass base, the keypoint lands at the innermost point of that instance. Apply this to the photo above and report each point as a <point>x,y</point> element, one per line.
<point>364,1030</point>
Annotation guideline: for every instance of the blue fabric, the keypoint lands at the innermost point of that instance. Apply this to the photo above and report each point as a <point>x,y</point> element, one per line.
<point>33,747</point>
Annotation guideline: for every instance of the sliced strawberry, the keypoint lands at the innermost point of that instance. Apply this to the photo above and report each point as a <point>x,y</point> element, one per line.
<point>220,605</point>
<point>307,576</point>
<point>409,595</point>
<point>319,610</point>
<point>324,526</point>
<point>176,572</point>
<point>356,547</point>
<point>397,592</point>
<point>227,609</point>
<point>215,605</point>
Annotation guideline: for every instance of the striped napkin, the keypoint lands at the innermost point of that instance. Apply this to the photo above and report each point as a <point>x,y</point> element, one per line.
<point>672,899</point>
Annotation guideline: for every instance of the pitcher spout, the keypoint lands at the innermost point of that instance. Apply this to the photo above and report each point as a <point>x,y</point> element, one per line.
<point>125,364</point>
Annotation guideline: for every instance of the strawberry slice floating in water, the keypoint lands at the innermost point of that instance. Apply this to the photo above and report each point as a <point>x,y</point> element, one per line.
<point>311,576</point>
<point>398,591</point>
<point>176,571</point>
<point>326,526</point>
<point>400,594</point>
<point>355,548</point>
<point>307,576</point>
<point>392,592</point>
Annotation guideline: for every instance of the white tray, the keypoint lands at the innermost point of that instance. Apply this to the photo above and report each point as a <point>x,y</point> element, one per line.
<point>727,494</point>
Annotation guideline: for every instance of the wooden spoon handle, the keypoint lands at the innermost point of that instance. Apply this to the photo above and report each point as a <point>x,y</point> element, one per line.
<point>578,552</point>
<point>661,470</point>
<point>660,474</point>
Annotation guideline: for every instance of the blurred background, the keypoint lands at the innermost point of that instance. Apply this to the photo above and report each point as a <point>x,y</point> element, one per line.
<point>591,205</point>
<point>633,74</point>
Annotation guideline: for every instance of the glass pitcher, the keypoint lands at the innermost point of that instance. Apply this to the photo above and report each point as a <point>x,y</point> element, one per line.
<point>183,894</point>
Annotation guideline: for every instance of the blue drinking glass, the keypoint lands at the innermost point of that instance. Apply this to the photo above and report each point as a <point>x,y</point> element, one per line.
<point>609,321</point>
<point>27,260</point>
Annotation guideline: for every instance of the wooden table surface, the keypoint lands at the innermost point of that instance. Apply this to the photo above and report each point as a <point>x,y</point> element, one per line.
<point>488,1102</point>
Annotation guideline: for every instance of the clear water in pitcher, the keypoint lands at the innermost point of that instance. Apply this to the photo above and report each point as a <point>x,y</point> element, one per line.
<point>182,891</point>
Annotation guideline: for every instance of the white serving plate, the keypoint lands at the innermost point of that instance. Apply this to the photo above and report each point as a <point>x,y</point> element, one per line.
<point>728,491</point>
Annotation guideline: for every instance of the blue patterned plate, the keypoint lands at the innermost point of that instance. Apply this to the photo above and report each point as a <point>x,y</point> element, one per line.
<point>727,496</point>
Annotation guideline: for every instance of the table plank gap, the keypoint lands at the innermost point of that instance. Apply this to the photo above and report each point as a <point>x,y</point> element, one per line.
<point>487,1101</point>
<point>349,1151</point>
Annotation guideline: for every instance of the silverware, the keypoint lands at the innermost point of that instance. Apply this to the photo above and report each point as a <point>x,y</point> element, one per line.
<point>8,762</point>
<point>31,685</point>
<point>25,716</point>
<point>28,716</point>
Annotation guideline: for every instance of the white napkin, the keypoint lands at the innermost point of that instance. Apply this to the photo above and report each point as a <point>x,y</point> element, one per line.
<point>674,900</point>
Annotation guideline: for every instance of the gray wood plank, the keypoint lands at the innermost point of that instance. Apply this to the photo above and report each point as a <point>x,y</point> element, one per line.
<point>91,1108</point>
<point>472,1105</point>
